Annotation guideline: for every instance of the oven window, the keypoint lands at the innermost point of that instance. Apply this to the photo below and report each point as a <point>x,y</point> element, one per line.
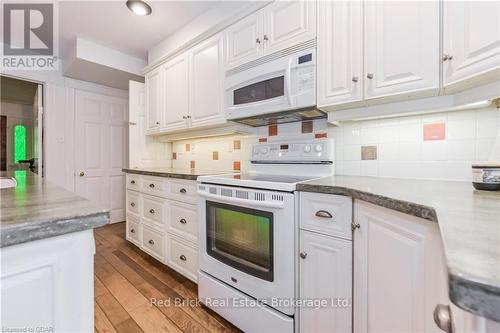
<point>241,238</point>
<point>260,91</point>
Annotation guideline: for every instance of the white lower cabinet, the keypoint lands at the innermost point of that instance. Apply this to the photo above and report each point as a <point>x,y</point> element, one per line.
<point>326,276</point>
<point>162,221</point>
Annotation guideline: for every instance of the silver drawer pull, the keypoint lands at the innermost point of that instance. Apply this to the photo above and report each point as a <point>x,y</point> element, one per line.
<point>132,204</point>
<point>443,318</point>
<point>152,185</point>
<point>183,190</point>
<point>324,213</point>
<point>132,231</point>
<point>152,242</point>
<point>183,221</point>
<point>183,257</point>
<point>151,211</point>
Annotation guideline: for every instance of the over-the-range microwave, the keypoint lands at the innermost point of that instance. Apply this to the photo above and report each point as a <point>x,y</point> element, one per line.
<point>278,88</point>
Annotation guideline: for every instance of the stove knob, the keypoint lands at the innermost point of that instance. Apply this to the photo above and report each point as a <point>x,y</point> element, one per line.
<point>318,148</point>
<point>307,148</point>
<point>255,151</point>
<point>263,150</point>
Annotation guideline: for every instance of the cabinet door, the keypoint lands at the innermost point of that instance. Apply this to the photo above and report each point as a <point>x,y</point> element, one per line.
<point>153,101</point>
<point>244,40</point>
<point>325,274</point>
<point>472,38</point>
<point>401,48</point>
<point>175,93</point>
<point>340,64</point>
<point>399,271</point>
<point>206,83</point>
<point>287,23</point>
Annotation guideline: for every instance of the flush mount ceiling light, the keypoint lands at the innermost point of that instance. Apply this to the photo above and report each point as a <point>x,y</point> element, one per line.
<point>139,7</point>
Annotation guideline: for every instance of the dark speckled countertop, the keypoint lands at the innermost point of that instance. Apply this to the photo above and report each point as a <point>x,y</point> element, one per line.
<point>469,221</point>
<point>189,174</point>
<point>37,209</point>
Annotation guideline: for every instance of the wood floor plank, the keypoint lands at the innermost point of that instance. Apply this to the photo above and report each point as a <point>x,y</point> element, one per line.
<point>150,319</point>
<point>112,309</point>
<point>101,322</point>
<point>119,265</point>
<point>99,288</point>
<point>128,326</point>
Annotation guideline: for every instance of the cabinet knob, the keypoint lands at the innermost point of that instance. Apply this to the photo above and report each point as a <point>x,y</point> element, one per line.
<point>157,123</point>
<point>355,79</point>
<point>81,174</point>
<point>447,57</point>
<point>152,242</point>
<point>324,214</point>
<point>443,318</point>
<point>132,182</point>
<point>152,211</point>
<point>182,257</point>
<point>152,185</point>
<point>303,255</point>
<point>265,37</point>
<point>355,226</point>
<point>188,117</point>
<point>183,221</point>
<point>257,40</point>
<point>183,190</point>
<point>132,231</point>
<point>132,204</point>
<point>369,76</point>
<point>184,117</point>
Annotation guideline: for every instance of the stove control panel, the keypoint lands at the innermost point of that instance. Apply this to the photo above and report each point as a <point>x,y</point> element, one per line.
<point>318,150</point>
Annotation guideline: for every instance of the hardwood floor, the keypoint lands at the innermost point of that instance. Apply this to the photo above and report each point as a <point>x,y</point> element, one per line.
<point>126,280</point>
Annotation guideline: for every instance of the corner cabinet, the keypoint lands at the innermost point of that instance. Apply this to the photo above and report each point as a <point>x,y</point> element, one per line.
<point>175,91</point>
<point>275,27</point>
<point>471,41</point>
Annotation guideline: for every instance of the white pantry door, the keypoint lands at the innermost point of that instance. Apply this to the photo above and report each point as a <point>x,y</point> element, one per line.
<point>101,150</point>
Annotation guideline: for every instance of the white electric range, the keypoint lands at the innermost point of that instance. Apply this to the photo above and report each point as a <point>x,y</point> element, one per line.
<point>248,232</point>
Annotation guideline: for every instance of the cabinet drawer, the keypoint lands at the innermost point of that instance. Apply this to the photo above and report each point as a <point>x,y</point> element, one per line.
<point>133,182</point>
<point>133,202</point>
<point>153,210</point>
<point>182,190</point>
<point>326,213</point>
<point>154,185</point>
<point>183,220</point>
<point>133,229</point>
<point>183,257</point>
<point>153,242</point>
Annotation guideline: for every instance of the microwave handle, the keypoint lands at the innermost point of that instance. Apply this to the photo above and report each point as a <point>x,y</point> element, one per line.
<point>288,75</point>
<point>236,201</point>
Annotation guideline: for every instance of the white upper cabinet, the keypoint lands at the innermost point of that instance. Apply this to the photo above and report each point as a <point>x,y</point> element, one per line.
<point>287,23</point>
<point>275,27</point>
<point>244,40</point>
<point>175,93</point>
<point>153,101</point>
<point>340,44</point>
<point>471,40</point>
<point>206,83</point>
<point>401,47</point>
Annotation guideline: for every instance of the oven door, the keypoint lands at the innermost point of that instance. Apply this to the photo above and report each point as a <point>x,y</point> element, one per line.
<point>249,244</point>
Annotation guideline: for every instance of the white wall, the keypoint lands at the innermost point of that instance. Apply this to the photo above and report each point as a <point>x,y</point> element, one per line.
<point>59,105</point>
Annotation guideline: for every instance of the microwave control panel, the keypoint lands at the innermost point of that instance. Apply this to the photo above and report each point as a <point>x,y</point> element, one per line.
<point>307,150</point>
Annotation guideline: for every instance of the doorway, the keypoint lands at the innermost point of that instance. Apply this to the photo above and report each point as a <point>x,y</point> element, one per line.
<point>21,125</point>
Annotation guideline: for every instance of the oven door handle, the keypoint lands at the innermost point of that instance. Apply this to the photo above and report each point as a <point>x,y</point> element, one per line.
<point>288,74</point>
<point>237,201</point>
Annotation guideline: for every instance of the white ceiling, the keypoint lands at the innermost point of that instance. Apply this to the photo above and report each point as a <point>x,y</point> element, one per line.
<point>111,24</point>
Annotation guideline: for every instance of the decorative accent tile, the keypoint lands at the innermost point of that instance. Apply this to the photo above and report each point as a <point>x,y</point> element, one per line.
<point>273,130</point>
<point>188,147</point>
<point>368,152</point>
<point>174,156</point>
<point>434,131</point>
<point>236,166</point>
<point>236,144</point>
<point>215,155</point>
<point>192,164</point>
<point>262,139</point>
<point>320,135</point>
<point>307,126</point>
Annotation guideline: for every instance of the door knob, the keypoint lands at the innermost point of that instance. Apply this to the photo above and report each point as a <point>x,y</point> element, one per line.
<point>303,255</point>
<point>81,174</point>
<point>443,318</point>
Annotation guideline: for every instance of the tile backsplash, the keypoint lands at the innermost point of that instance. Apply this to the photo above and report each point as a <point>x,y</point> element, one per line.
<point>435,146</point>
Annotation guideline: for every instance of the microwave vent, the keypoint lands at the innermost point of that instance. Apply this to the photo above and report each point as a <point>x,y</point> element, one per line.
<point>277,197</point>
<point>242,194</point>
<point>259,196</point>
<point>226,192</point>
<point>213,190</point>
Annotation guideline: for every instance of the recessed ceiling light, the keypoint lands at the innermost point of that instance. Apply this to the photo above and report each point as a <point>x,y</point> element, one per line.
<point>139,7</point>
